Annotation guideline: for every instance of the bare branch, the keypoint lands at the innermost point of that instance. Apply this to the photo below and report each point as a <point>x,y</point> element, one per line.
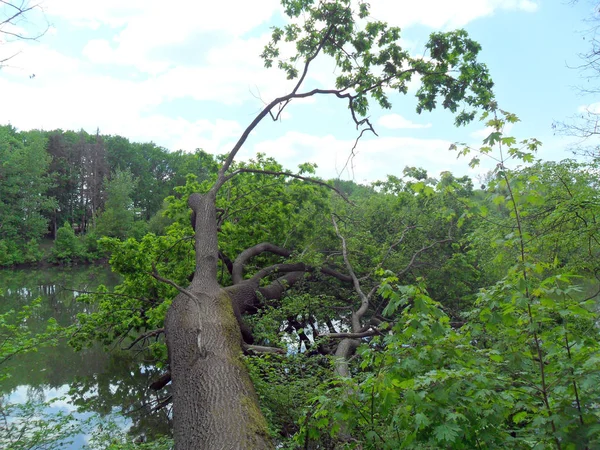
<point>237,273</point>
<point>162,403</point>
<point>364,300</point>
<point>19,12</point>
<point>389,250</point>
<point>363,334</point>
<point>262,349</point>
<point>353,150</point>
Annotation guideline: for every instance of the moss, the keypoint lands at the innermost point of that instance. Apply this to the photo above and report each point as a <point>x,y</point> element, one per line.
<point>258,428</point>
<point>257,424</point>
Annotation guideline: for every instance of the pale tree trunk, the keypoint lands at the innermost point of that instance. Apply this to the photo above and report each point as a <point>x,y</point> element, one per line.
<point>214,402</point>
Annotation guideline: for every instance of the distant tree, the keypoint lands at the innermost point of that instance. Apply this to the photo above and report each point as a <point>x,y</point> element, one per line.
<point>117,218</point>
<point>24,186</point>
<point>65,173</point>
<point>93,171</point>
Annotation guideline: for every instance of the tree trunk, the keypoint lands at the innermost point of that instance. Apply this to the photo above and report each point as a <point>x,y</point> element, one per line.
<point>214,403</point>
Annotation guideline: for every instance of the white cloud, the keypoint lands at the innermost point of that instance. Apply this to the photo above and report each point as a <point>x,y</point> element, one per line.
<point>396,122</point>
<point>99,51</point>
<point>444,14</point>
<point>592,108</point>
<point>528,5</point>
<point>38,59</point>
<point>166,21</point>
<point>373,159</point>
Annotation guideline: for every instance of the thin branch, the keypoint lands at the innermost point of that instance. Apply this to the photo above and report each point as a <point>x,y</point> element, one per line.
<point>145,336</point>
<point>418,252</point>
<point>162,403</point>
<point>353,149</point>
<point>20,11</point>
<point>172,283</point>
<point>389,250</point>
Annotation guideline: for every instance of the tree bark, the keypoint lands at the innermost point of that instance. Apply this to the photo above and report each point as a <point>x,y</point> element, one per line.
<point>214,402</point>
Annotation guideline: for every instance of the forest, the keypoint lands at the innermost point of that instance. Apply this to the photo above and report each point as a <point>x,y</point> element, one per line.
<point>61,191</point>
<point>277,309</point>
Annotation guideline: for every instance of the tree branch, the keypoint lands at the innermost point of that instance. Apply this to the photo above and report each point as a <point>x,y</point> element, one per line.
<point>296,267</point>
<point>223,257</point>
<point>364,300</point>
<point>278,287</point>
<point>418,252</point>
<point>172,283</point>
<point>144,336</point>
<point>389,250</point>
<point>161,382</point>
<point>237,272</point>
<point>262,349</point>
<point>363,334</point>
<point>336,274</point>
<point>267,110</point>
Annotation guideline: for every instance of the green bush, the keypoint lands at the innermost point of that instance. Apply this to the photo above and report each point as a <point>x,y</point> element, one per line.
<point>68,248</point>
<point>19,252</point>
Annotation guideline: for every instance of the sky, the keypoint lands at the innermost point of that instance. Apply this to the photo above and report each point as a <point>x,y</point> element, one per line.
<point>188,75</point>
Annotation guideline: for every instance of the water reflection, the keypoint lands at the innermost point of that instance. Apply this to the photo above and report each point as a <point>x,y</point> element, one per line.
<point>92,381</point>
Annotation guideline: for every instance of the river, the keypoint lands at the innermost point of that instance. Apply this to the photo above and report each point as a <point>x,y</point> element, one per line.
<point>93,383</point>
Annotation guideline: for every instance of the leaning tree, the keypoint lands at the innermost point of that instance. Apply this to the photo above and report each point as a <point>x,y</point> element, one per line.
<point>214,402</point>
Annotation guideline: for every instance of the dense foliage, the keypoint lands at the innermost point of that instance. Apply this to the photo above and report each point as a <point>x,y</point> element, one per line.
<point>482,327</point>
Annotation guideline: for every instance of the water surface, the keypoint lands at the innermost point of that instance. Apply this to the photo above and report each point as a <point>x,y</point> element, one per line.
<point>94,382</point>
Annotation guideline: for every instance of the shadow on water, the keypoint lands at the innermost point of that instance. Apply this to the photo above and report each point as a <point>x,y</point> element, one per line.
<point>94,380</point>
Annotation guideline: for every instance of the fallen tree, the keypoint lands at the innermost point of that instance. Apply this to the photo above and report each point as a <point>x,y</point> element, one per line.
<point>214,402</point>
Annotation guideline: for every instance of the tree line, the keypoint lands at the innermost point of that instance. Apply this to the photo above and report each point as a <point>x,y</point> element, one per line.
<point>86,184</point>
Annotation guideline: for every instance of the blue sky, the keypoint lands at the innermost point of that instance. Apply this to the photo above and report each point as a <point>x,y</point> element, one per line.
<point>188,75</point>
